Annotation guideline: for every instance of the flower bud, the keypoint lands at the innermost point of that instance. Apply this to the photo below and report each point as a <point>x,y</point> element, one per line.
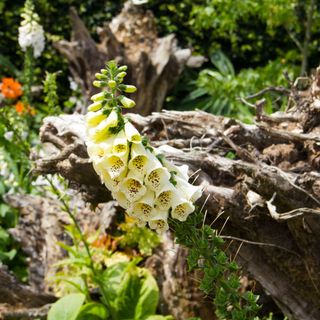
<point>122,68</point>
<point>95,106</point>
<point>98,97</point>
<point>100,76</point>
<point>126,102</point>
<point>121,75</point>
<point>104,71</point>
<point>100,84</point>
<point>127,88</point>
<point>112,84</point>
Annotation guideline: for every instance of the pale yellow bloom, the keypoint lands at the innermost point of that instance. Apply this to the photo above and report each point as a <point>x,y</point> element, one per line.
<point>139,159</point>
<point>120,144</point>
<point>101,131</point>
<point>133,188</point>
<point>165,197</point>
<point>159,222</point>
<point>142,209</point>
<point>181,209</point>
<point>132,133</point>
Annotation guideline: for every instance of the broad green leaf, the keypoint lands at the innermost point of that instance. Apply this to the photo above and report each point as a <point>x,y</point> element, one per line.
<point>67,308</point>
<point>148,296</point>
<point>93,310</point>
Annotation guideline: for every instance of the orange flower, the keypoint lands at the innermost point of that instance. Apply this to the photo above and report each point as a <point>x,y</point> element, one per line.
<point>10,88</point>
<point>19,107</point>
<point>23,108</point>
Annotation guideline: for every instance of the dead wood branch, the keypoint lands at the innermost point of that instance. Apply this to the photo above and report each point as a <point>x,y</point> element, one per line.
<point>130,38</point>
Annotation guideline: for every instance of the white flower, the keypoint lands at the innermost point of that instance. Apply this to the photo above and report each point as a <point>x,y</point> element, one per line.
<point>165,197</point>
<point>181,209</point>
<point>120,144</point>
<point>31,34</point>
<point>112,184</point>
<point>157,177</point>
<point>159,222</point>
<point>133,188</point>
<point>122,199</point>
<point>101,131</point>
<point>139,159</point>
<point>9,135</point>
<point>191,192</point>
<point>142,209</point>
<point>132,133</point>
<point>97,151</point>
<point>112,164</point>
<point>94,118</point>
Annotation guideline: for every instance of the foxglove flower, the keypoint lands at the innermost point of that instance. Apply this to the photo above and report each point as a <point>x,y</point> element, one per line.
<point>31,33</point>
<point>145,184</point>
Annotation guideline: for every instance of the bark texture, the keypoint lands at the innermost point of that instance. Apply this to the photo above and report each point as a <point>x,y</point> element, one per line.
<point>131,39</point>
<point>262,182</point>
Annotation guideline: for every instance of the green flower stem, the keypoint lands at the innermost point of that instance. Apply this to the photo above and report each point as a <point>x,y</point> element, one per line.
<point>73,218</point>
<point>28,75</point>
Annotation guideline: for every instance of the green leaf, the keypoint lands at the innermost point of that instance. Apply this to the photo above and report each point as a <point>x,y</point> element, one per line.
<point>67,308</point>
<point>93,310</point>
<point>148,297</point>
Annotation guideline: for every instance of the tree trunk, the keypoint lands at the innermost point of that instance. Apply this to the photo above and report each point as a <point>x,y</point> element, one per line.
<point>131,39</point>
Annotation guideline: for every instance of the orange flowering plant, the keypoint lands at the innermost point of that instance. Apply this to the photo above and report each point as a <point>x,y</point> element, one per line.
<point>10,88</point>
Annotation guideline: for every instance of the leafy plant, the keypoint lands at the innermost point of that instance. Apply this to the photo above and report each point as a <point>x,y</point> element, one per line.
<point>221,276</point>
<point>126,291</point>
<point>217,90</point>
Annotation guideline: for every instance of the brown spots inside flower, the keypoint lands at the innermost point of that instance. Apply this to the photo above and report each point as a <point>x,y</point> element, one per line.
<point>164,198</point>
<point>119,148</point>
<point>139,162</point>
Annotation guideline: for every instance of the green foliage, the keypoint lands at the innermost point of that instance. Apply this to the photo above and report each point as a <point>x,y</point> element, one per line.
<point>129,291</point>
<point>126,290</point>
<point>218,90</point>
<point>221,276</point>
<point>51,97</point>
<point>142,238</point>
<point>67,308</point>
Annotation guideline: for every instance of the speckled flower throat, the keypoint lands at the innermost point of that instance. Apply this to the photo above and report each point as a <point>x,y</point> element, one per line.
<point>143,182</point>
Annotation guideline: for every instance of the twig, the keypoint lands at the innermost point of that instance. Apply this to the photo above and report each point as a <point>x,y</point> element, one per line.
<point>260,244</point>
<point>281,90</point>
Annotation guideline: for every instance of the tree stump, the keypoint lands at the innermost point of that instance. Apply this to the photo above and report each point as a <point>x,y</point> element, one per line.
<point>131,39</point>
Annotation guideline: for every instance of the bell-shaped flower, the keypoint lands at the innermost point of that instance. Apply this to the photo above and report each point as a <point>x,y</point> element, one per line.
<point>191,192</point>
<point>94,118</point>
<point>113,164</point>
<point>101,131</point>
<point>132,133</point>
<point>142,209</point>
<point>165,197</point>
<point>97,105</point>
<point>122,199</point>
<point>139,159</point>
<point>97,151</point>
<point>180,171</point>
<point>159,222</point>
<point>112,184</point>
<point>181,208</point>
<point>157,177</point>
<point>120,144</point>
<point>133,187</point>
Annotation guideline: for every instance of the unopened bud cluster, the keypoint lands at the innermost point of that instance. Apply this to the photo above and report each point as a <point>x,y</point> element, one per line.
<point>31,33</point>
<point>143,182</point>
